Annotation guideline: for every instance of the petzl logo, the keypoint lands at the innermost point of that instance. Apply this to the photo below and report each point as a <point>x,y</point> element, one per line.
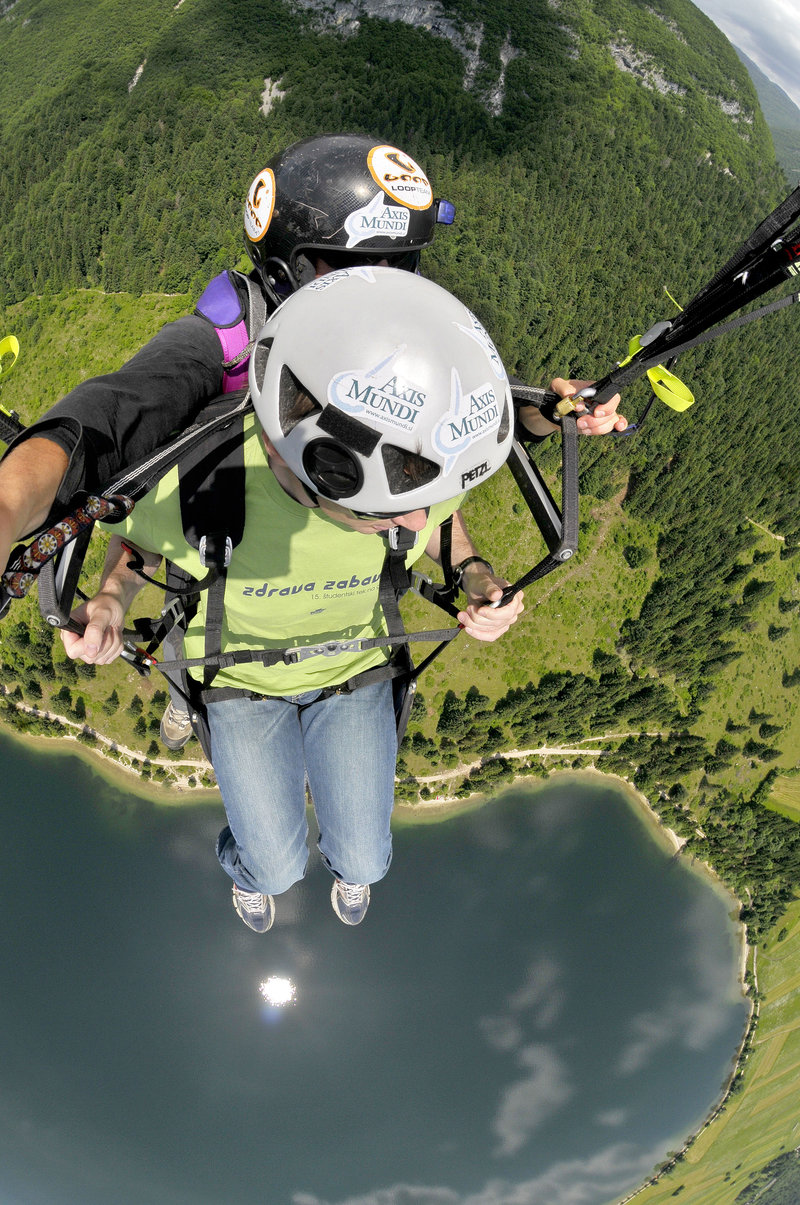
<point>474,474</point>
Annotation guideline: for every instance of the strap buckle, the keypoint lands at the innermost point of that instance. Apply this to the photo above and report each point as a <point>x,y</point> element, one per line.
<point>201,548</point>
<point>330,649</point>
<point>174,610</point>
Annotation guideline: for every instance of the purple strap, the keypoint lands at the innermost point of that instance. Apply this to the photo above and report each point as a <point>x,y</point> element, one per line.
<point>221,305</point>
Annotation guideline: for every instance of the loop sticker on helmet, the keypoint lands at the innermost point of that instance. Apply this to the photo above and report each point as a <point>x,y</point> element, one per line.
<point>400,176</point>
<point>259,205</point>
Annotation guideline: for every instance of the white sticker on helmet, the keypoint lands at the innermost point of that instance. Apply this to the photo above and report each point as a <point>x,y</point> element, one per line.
<point>377,220</point>
<point>378,394</point>
<point>259,205</point>
<point>481,336</point>
<point>400,176</point>
<point>471,416</point>
<point>364,272</point>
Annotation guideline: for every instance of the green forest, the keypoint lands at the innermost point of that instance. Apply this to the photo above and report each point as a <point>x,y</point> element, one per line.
<point>595,194</point>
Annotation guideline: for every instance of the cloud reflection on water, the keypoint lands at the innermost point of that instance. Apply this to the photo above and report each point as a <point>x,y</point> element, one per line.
<point>606,1174</point>
<point>529,1102</point>
<point>691,1020</point>
<point>545,1086</point>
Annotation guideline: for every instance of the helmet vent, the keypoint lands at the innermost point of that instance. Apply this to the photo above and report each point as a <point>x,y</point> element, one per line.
<point>260,357</point>
<point>294,401</point>
<point>502,430</point>
<point>407,470</point>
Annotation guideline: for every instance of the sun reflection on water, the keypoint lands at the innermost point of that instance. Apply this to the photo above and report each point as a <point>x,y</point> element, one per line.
<point>277,991</point>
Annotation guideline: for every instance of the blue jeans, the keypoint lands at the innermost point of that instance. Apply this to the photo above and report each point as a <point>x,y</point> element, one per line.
<point>264,751</point>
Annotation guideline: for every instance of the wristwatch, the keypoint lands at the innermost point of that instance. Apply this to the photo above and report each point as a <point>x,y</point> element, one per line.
<point>458,570</point>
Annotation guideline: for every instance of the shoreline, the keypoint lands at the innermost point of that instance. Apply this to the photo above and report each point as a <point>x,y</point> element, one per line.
<point>116,773</point>
<point>444,807</point>
<point>424,811</point>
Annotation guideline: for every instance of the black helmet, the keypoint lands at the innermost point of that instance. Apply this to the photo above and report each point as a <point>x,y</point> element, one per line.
<point>346,197</point>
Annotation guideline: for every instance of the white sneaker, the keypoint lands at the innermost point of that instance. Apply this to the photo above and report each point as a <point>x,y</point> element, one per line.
<point>176,727</point>
<point>350,901</point>
<point>256,910</point>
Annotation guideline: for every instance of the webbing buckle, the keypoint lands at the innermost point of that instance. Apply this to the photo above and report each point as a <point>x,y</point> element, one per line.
<point>174,610</point>
<point>201,548</point>
<point>329,649</point>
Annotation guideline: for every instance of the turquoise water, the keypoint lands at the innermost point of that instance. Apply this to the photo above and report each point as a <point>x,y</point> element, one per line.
<point>538,1005</point>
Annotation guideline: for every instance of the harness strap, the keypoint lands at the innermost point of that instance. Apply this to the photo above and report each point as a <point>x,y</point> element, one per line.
<point>291,656</point>
<point>368,677</point>
<point>441,595</point>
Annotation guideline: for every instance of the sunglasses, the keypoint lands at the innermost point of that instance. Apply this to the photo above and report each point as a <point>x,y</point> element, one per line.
<point>396,514</point>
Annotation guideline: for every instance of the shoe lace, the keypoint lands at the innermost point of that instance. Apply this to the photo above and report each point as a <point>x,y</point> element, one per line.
<point>251,901</point>
<point>352,893</point>
<point>180,719</point>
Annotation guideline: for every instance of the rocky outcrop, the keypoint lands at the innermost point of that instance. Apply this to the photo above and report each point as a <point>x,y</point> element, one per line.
<point>344,17</point>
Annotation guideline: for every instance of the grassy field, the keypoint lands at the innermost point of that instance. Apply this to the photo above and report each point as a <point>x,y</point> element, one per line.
<point>581,606</point>
<point>66,338</point>
<point>785,797</point>
<point>761,1121</point>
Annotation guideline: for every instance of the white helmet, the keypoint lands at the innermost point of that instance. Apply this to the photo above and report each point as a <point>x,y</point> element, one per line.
<point>381,391</point>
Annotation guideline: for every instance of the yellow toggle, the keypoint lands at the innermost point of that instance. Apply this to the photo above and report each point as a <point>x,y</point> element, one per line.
<point>668,388</point>
<point>8,347</point>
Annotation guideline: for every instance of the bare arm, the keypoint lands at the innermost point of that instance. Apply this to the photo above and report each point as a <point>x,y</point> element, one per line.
<point>604,420</point>
<point>482,587</point>
<point>104,615</point>
<point>29,479</point>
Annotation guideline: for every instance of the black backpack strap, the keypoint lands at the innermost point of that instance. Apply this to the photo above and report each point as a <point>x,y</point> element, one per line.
<point>212,498</point>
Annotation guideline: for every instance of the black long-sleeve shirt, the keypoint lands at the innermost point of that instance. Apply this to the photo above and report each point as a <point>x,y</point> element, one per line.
<point>111,422</point>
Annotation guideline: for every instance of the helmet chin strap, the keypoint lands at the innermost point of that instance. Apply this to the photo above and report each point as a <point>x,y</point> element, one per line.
<point>400,539</point>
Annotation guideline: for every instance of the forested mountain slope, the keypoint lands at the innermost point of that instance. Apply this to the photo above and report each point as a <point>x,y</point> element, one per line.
<point>598,152</point>
<point>781,115</point>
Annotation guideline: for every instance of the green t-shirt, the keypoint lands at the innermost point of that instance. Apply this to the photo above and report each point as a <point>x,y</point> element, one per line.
<point>297,577</point>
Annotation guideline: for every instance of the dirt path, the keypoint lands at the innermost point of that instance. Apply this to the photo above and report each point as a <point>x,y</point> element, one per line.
<point>186,769</point>
<point>761,527</point>
<point>183,770</point>
<point>542,751</point>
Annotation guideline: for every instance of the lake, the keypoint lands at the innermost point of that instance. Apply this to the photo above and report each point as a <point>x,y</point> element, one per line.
<point>539,1004</point>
